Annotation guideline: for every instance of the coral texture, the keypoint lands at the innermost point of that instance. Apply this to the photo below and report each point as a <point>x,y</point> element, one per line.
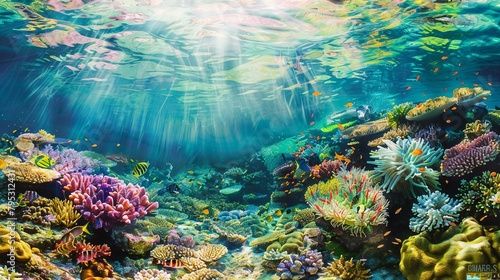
<point>203,274</point>
<point>407,166</point>
<point>434,211</point>
<point>464,157</point>
<point>349,270</point>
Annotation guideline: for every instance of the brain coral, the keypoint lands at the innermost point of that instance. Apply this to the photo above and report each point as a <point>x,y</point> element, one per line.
<point>447,255</point>
<point>407,166</point>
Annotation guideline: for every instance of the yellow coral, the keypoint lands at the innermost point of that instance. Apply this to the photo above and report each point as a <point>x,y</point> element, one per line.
<point>322,188</point>
<point>192,264</point>
<point>65,213</point>
<point>10,240</point>
<point>470,96</point>
<point>430,109</point>
<point>29,173</point>
<point>46,134</point>
<point>267,239</point>
<point>204,274</point>
<point>211,252</point>
<point>347,270</point>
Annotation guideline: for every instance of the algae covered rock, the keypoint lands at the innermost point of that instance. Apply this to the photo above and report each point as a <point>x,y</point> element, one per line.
<point>448,254</point>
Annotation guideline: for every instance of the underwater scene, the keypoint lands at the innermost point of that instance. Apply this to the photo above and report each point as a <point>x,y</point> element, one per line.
<point>250,139</point>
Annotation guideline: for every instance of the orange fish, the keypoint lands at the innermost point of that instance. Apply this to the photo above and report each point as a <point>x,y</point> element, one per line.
<point>380,246</point>
<point>311,123</point>
<point>448,121</point>
<point>316,93</point>
<point>462,83</point>
<point>436,69</point>
<point>205,212</point>
<point>398,210</point>
<point>395,243</point>
<point>482,218</point>
<point>417,78</point>
<point>387,233</point>
<point>94,145</point>
<point>476,85</point>
<point>318,138</point>
<point>348,105</point>
<point>493,174</point>
<point>444,57</point>
<point>417,152</point>
<point>489,84</point>
<point>408,88</point>
<point>455,73</point>
<point>341,127</point>
<point>397,239</point>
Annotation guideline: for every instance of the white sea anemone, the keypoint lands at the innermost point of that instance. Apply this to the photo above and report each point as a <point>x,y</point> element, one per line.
<point>407,165</point>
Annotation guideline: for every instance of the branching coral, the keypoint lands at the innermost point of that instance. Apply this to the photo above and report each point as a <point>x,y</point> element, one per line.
<point>348,270</point>
<point>163,254</point>
<point>354,204</point>
<point>464,157</point>
<point>107,201</point>
<point>406,165</point>
<point>482,193</point>
<point>434,211</point>
<point>64,212</point>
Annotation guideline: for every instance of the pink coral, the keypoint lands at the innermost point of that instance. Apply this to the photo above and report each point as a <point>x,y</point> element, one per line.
<point>464,157</point>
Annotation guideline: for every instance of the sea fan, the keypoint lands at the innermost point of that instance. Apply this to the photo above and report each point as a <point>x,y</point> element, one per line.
<point>406,165</point>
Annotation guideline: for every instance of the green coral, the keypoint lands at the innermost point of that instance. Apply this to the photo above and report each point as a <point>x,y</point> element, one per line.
<point>397,117</point>
<point>476,129</point>
<point>482,193</point>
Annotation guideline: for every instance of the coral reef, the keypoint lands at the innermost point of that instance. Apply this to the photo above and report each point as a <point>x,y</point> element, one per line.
<point>447,255</point>
<point>192,264</point>
<point>430,109</point>
<point>300,266</point>
<point>348,270</point>
<point>27,141</point>
<point>481,194</point>
<point>434,211</point>
<point>461,159</point>
<point>152,274</point>
<point>134,243</point>
<point>402,131</point>
<point>406,166</point>
<point>26,172</point>
<point>107,201</point>
<point>70,161</point>
<point>163,254</point>
<point>178,238</point>
<point>355,204</point>
<point>470,96</point>
<point>273,258</point>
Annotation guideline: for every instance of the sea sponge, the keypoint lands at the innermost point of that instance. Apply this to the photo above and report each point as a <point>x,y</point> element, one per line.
<point>446,255</point>
<point>211,252</point>
<point>10,239</point>
<point>64,212</point>
<point>204,274</point>
<point>347,269</point>
<point>430,109</point>
<point>27,172</point>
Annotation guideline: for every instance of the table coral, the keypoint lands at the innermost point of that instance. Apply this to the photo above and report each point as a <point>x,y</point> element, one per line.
<point>434,211</point>
<point>446,255</point>
<point>365,129</point>
<point>26,172</point>
<point>430,109</point>
<point>407,165</point>
<point>461,159</point>
<point>467,97</point>
<point>211,252</point>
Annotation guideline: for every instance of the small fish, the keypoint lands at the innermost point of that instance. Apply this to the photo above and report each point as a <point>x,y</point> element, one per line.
<point>453,224</point>
<point>316,93</point>
<point>455,73</point>
<point>26,129</point>
<point>380,246</point>
<point>448,121</point>
<point>397,239</point>
<point>14,131</point>
<point>398,210</point>
<point>417,78</point>
<point>65,248</point>
<point>278,213</point>
<point>395,243</point>
<point>3,164</point>
<point>205,211</point>
<point>477,73</point>
<point>493,174</point>
<point>387,233</point>
<point>86,139</point>
<point>353,143</point>
<point>446,181</point>
<point>86,256</point>
<point>94,145</point>
<point>77,141</point>
<point>436,69</point>
<point>118,144</point>
<point>190,171</point>
<point>408,88</point>
<point>490,84</point>
<point>44,161</point>
<point>417,152</point>
<point>476,85</point>
<point>269,218</point>
<point>445,89</point>
<point>348,105</point>
<point>172,263</point>
<point>73,233</point>
<point>483,217</point>
<point>140,169</point>
<point>311,123</point>
<point>444,57</point>
<point>422,168</point>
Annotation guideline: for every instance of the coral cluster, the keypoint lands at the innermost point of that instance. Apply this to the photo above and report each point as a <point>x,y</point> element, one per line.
<point>203,274</point>
<point>305,216</point>
<point>11,244</point>
<point>27,172</point>
<point>70,161</point>
<point>434,211</point>
<point>326,169</point>
<point>107,201</point>
<point>365,129</point>
<point>470,96</point>
<point>464,157</point>
<point>27,141</point>
<point>212,252</point>
<point>476,129</point>
<point>152,274</point>
<point>407,166</point>
<point>482,193</point>
<point>430,109</point>
<point>447,255</point>
<point>347,269</point>
<point>355,204</point>
<point>64,212</point>
<point>300,266</point>
<point>178,238</point>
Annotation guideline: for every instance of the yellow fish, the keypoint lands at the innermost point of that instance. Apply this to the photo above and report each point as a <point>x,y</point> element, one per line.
<point>140,168</point>
<point>44,161</point>
<point>348,105</point>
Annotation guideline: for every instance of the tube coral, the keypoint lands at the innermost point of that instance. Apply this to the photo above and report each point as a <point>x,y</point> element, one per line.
<point>354,203</point>
<point>433,211</point>
<point>406,165</point>
<point>464,157</point>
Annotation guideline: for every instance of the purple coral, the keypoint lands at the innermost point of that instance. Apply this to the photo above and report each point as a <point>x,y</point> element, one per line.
<point>464,157</point>
<point>177,238</point>
<point>70,161</point>
<point>300,266</point>
<point>107,201</point>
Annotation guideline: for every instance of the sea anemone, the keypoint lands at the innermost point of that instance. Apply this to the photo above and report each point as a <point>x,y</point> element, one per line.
<point>397,116</point>
<point>407,165</point>
<point>434,211</point>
